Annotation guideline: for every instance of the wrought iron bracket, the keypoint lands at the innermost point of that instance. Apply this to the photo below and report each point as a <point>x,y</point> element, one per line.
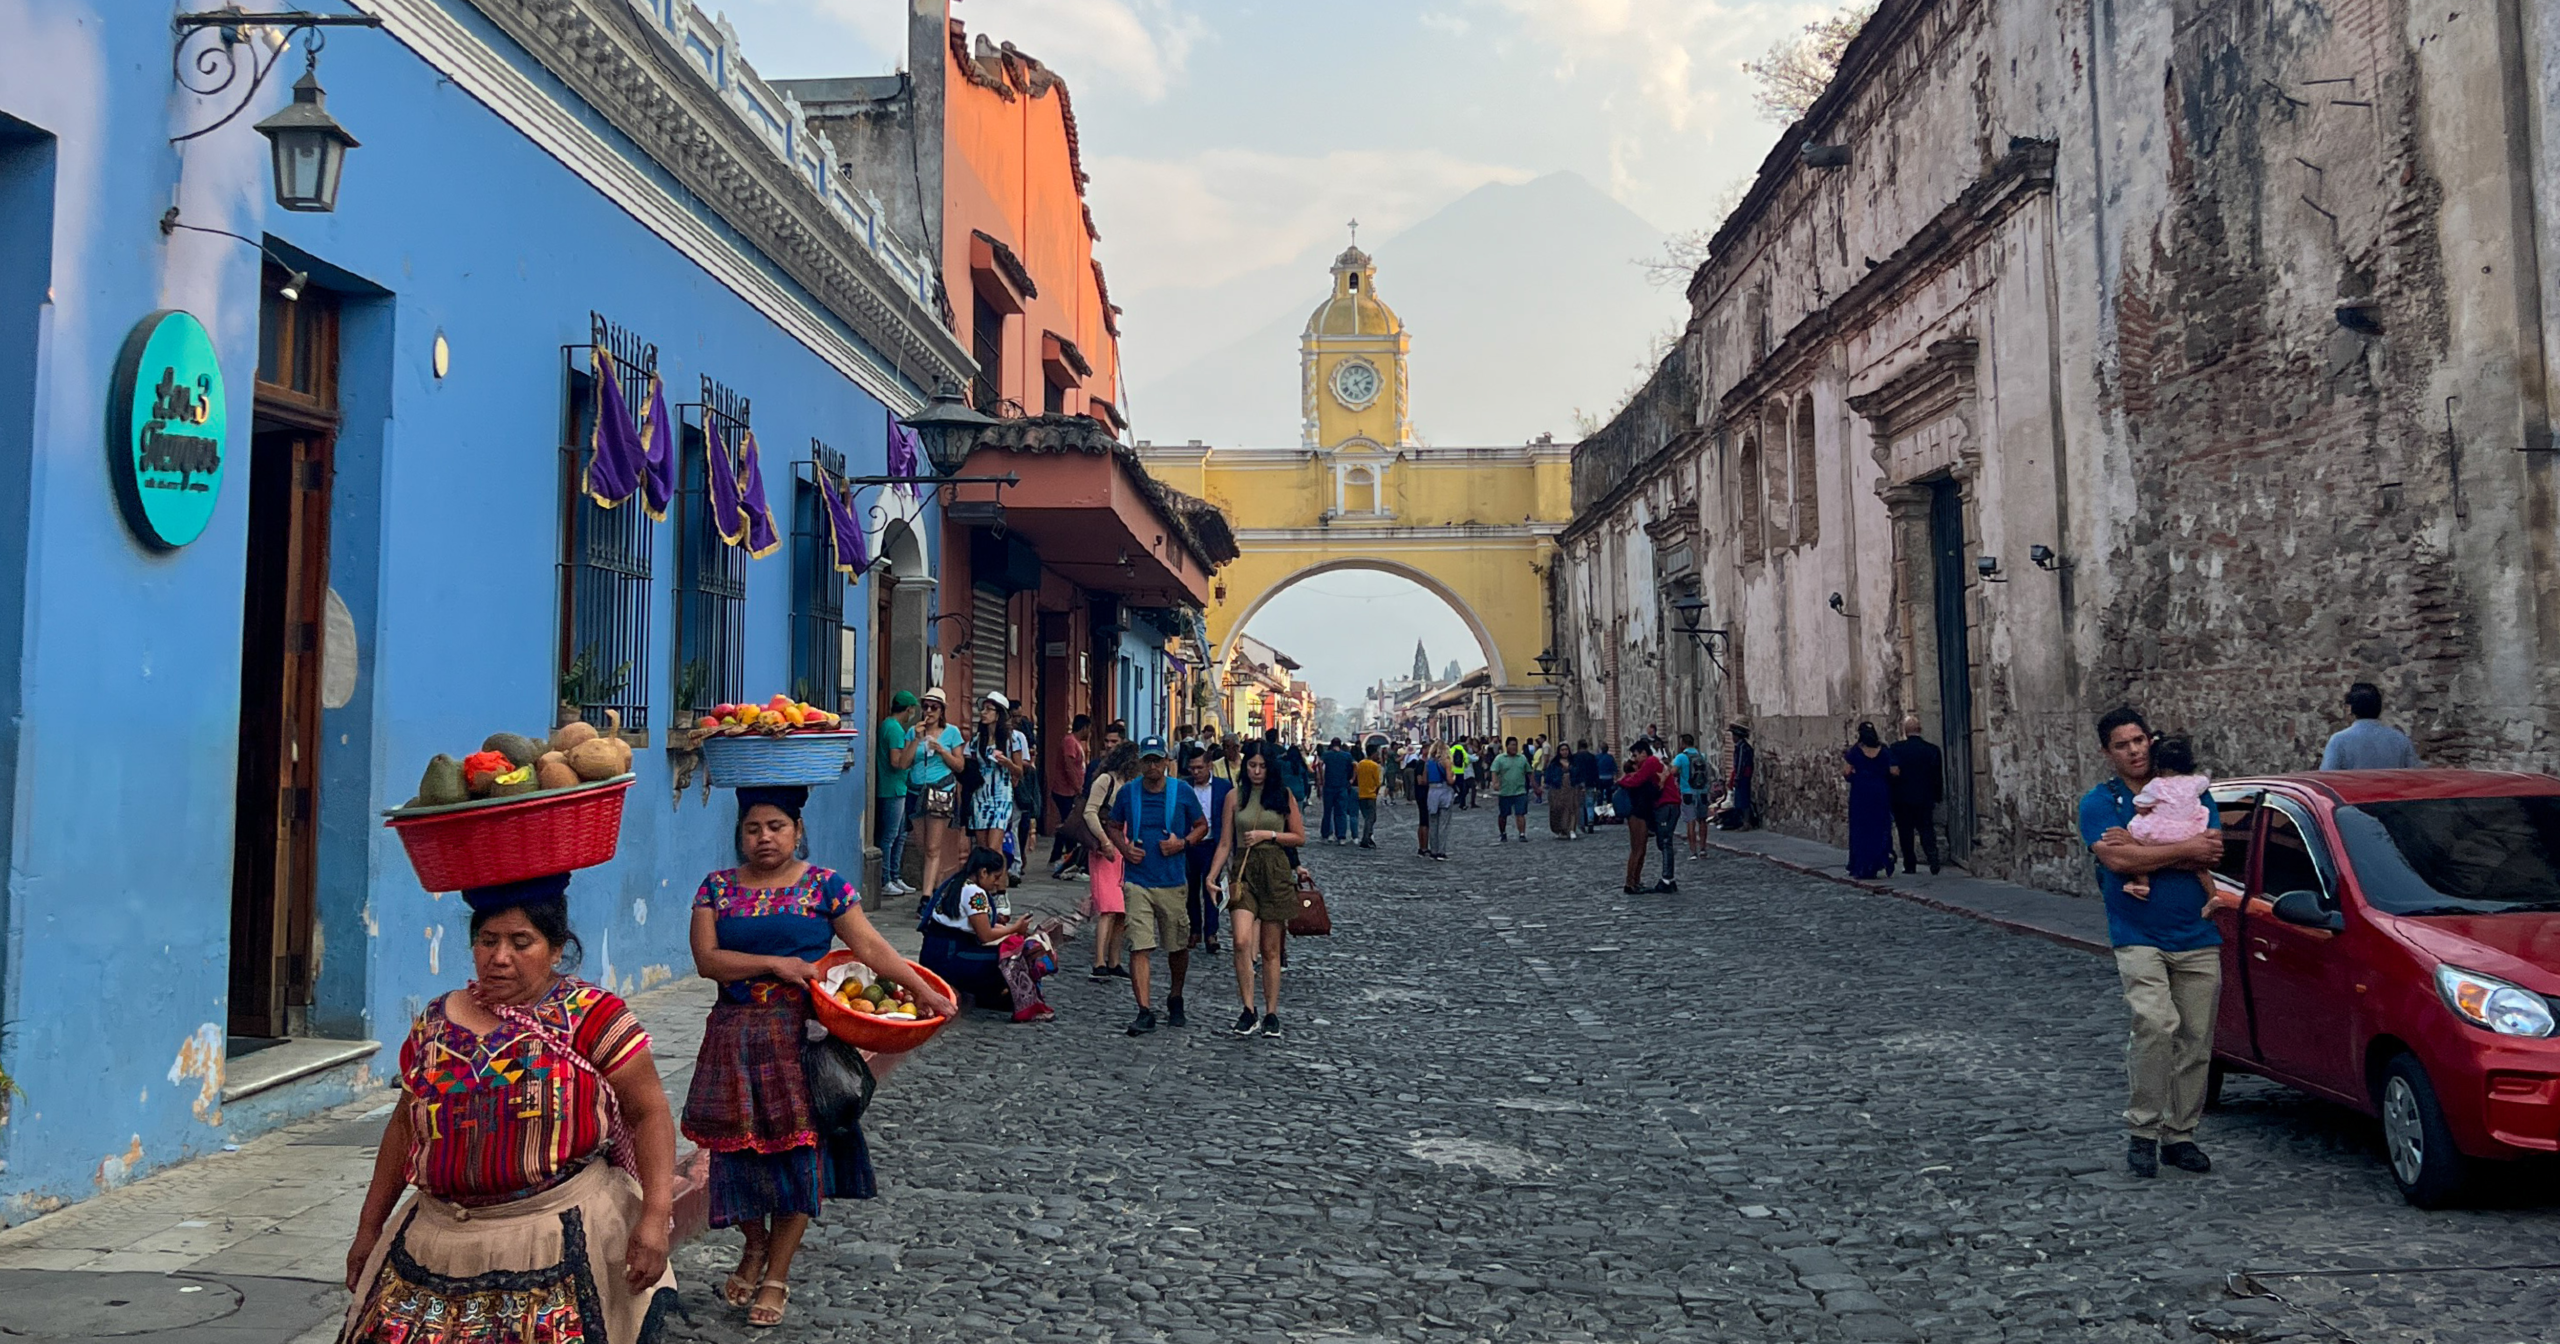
<point>217,66</point>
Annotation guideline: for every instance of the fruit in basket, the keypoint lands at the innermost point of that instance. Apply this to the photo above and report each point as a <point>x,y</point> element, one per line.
<point>552,771</point>
<point>514,783</point>
<point>480,768</point>
<point>516,747</point>
<point>594,759</point>
<point>570,734</point>
<point>443,783</point>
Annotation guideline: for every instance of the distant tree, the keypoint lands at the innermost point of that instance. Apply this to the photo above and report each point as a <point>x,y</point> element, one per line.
<point>1798,68</point>
<point>1452,674</point>
<point>1421,663</point>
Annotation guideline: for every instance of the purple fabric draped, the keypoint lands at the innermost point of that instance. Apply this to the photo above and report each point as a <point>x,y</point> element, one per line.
<point>720,474</point>
<point>658,453</point>
<point>615,456</point>
<point>844,526</point>
<point>904,452</point>
<point>762,540</point>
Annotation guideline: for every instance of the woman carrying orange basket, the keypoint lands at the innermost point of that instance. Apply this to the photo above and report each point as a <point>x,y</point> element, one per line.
<point>759,930</point>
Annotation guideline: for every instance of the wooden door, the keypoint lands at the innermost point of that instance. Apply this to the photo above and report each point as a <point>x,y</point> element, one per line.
<point>283,610</point>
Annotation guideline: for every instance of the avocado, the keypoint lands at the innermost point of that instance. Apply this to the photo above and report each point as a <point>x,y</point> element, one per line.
<point>517,748</point>
<point>442,783</point>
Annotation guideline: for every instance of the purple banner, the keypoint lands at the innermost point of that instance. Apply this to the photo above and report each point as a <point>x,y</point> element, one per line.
<point>904,451</point>
<point>720,473</point>
<point>616,456</point>
<point>844,526</point>
<point>657,453</point>
<point>762,540</point>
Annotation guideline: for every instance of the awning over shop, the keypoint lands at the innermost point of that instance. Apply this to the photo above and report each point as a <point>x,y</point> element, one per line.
<point>1096,516</point>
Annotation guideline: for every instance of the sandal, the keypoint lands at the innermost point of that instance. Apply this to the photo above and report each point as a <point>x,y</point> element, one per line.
<point>763,1317</point>
<point>739,1289</point>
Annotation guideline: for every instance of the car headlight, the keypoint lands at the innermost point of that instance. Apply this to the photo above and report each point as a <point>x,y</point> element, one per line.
<point>2486,1001</point>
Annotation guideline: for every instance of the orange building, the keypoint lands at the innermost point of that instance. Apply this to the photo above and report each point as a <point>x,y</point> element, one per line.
<point>1064,591</point>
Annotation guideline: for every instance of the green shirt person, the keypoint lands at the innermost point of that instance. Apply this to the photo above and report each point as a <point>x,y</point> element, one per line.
<point>897,753</point>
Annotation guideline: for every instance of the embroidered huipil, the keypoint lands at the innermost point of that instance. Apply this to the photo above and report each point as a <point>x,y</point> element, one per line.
<point>793,921</point>
<point>499,1116</point>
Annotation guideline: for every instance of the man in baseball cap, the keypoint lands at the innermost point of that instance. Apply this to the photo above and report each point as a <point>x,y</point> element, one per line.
<point>1153,823</point>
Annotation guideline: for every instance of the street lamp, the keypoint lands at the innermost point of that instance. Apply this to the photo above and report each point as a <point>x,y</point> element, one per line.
<point>1552,668</point>
<point>310,146</point>
<point>1692,608</point>
<point>948,427</point>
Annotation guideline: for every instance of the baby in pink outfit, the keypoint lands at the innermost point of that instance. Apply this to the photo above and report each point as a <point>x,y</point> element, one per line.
<point>2172,806</point>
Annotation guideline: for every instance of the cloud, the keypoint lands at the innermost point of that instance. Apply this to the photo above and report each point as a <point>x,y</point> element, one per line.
<point>1197,221</point>
<point>1139,46</point>
<point>1682,57</point>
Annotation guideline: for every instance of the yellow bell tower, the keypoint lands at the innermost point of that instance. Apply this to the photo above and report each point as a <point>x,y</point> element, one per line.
<point>1351,363</point>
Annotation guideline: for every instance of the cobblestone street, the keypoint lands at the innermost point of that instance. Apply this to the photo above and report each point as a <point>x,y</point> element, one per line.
<point>1513,1104</point>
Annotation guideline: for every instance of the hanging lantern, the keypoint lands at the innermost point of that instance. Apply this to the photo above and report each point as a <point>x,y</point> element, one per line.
<point>310,147</point>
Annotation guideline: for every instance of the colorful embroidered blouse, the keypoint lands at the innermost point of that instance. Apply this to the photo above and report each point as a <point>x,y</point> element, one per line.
<point>793,921</point>
<point>497,1117</point>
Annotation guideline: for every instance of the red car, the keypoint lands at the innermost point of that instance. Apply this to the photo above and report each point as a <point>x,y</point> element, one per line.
<point>2391,941</point>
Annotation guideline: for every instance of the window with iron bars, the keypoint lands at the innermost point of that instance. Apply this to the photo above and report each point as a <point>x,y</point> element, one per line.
<point>819,675</point>
<point>711,575</point>
<point>604,553</point>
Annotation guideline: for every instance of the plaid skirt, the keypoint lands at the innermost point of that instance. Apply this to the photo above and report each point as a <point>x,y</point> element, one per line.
<point>749,1107</point>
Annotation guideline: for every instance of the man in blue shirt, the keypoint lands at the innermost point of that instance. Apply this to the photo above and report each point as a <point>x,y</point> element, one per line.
<point>2368,743</point>
<point>2168,955</point>
<point>1339,809</point>
<point>1154,821</point>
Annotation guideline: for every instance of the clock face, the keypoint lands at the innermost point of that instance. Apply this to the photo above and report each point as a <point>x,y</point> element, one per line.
<point>1355,383</point>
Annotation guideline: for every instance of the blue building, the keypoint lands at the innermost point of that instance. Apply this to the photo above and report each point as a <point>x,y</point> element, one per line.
<point>375,417</point>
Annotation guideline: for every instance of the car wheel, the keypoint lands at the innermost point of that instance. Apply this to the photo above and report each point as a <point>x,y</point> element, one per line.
<point>2430,1171</point>
<point>2213,1076</point>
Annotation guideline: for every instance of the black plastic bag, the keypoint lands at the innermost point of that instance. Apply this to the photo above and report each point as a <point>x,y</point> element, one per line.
<point>840,1088</point>
<point>840,1085</point>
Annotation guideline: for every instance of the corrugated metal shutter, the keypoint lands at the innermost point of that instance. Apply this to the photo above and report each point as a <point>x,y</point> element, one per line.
<point>990,639</point>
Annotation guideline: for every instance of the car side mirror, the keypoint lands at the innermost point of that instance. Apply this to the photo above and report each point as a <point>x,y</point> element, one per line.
<point>2305,909</point>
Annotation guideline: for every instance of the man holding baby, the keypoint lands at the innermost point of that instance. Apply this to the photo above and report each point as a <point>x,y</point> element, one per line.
<point>2167,953</point>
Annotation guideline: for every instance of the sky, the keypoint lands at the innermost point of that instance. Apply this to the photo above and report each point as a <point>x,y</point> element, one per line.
<point>1227,136</point>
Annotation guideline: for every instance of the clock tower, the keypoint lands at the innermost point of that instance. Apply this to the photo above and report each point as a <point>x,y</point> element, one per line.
<point>1352,370</point>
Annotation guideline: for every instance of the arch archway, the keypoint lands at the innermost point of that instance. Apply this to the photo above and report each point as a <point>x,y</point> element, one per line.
<point>1422,579</point>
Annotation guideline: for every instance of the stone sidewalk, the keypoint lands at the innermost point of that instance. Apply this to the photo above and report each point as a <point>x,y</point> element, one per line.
<point>249,1246</point>
<point>2074,921</point>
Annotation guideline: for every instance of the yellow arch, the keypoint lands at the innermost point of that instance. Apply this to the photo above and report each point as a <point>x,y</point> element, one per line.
<point>1425,579</point>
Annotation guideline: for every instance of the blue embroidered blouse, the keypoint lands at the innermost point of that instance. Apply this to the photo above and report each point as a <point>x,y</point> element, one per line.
<point>793,921</point>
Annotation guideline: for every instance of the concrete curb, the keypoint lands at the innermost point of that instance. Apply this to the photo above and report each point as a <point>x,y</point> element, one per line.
<point>2063,937</point>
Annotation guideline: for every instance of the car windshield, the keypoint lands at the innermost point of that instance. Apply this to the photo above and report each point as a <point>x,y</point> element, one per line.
<point>2445,856</point>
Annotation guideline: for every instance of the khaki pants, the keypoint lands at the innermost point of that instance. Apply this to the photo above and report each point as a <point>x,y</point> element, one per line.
<point>2173,997</point>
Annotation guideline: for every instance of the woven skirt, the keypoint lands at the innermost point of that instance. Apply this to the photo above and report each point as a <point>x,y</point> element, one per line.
<point>547,1267</point>
<point>749,1107</point>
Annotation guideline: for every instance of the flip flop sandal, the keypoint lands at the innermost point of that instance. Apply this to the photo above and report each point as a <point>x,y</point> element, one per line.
<point>778,1311</point>
<point>738,1290</point>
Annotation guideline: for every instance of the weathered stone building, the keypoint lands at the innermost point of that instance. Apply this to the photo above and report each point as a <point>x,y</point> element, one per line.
<point>2220,329</point>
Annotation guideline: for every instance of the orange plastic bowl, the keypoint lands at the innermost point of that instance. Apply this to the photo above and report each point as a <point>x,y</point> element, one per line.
<point>880,1035</point>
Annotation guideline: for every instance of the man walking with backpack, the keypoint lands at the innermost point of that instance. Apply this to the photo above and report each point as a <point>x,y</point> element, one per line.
<point>1153,822</point>
<point>1696,779</point>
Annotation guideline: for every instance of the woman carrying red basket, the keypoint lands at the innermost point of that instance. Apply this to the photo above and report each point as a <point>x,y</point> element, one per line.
<point>531,1122</point>
<point>759,930</point>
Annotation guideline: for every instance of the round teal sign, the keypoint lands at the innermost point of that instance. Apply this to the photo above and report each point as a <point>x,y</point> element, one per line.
<point>166,422</point>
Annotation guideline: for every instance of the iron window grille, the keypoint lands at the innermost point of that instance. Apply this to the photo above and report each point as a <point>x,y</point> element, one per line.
<point>711,574</point>
<point>604,596</point>
<point>817,586</point>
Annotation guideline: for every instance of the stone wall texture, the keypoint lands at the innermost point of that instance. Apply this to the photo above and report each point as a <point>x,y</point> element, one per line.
<point>2238,310</point>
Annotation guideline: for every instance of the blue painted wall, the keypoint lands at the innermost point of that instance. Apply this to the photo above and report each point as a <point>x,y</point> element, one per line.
<point>1141,681</point>
<point>117,904</point>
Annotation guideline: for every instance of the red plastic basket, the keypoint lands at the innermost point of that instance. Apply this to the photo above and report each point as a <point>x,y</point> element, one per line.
<point>879,1035</point>
<point>511,841</point>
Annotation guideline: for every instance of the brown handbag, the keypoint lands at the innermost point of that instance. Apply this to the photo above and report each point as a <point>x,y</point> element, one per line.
<point>1312,920</point>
